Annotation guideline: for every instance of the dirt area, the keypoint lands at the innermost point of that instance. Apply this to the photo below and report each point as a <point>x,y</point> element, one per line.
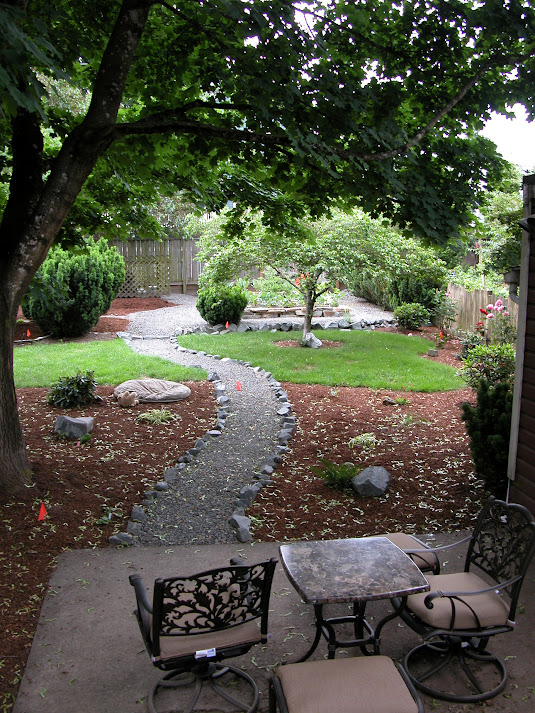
<point>89,489</point>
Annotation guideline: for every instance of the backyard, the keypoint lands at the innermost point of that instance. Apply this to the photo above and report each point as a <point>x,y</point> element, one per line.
<point>89,489</point>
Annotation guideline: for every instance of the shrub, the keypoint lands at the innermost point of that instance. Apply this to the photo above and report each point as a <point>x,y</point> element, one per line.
<point>488,425</point>
<point>411,315</point>
<point>443,310</point>
<point>469,340</point>
<point>73,391</point>
<point>337,476</point>
<point>495,364</point>
<point>80,286</point>
<point>219,304</point>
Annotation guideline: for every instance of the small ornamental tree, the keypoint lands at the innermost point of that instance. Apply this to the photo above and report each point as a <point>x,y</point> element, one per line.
<point>89,280</point>
<point>304,255</point>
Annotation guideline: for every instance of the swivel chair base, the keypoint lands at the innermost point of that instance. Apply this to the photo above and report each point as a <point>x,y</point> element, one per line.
<point>432,658</point>
<point>206,674</point>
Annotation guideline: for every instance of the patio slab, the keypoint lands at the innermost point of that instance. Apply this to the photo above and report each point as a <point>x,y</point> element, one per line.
<point>88,657</point>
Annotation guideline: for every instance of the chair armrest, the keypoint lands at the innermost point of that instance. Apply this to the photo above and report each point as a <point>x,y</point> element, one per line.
<point>142,598</point>
<point>437,549</point>
<point>428,601</point>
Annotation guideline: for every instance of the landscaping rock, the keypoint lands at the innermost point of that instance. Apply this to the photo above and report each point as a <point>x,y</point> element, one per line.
<point>241,525</point>
<point>121,538</point>
<point>138,514</point>
<point>372,481</point>
<point>311,341</point>
<point>74,428</point>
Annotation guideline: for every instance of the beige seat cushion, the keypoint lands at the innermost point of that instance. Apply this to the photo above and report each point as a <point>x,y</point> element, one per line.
<point>173,646</point>
<point>424,560</point>
<point>491,609</point>
<point>353,685</point>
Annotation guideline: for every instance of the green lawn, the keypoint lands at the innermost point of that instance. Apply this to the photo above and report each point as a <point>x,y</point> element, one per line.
<point>379,360</point>
<point>112,361</point>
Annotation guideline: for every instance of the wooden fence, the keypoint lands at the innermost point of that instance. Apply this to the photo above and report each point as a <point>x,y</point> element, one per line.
<point>158,268</point>
<point>470,303</point>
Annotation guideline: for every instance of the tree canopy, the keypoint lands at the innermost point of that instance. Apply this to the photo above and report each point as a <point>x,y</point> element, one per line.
<point>276,106</point>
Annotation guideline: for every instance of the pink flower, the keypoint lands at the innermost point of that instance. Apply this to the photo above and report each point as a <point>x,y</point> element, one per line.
<point>409,334</point>
<point>506,314</point>
<point>490,316</point>
<point>490,306</point>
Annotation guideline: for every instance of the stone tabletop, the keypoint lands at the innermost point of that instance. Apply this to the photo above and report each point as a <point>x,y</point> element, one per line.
<point>355,569</point>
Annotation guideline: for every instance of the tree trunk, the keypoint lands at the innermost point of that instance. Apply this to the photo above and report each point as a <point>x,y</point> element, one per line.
<point>15,472</point>
<point>309,311</point>
<point>36,209</point>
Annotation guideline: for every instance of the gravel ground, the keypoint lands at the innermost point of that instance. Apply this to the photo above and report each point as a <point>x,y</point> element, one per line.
<point>165,322</point>
<point>197,507</point>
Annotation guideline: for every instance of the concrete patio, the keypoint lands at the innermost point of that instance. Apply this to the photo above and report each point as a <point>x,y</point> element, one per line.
<point>88,656</point>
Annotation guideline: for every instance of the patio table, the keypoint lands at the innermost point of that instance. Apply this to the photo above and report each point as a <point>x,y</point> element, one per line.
<point>356,570</point>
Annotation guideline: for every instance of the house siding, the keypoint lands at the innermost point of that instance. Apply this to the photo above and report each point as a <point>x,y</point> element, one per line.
<point>523,425</point>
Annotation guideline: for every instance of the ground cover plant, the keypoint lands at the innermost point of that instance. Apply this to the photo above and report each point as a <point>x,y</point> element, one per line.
<point>376,359</point>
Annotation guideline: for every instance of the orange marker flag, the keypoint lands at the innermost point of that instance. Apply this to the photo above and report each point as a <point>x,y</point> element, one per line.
<point>226,324</point>
<point>28,333</point>
<point>42,513</point>
<point>238,386</point>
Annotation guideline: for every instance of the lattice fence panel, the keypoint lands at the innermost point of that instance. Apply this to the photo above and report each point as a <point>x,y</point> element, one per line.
<point>146,277</point>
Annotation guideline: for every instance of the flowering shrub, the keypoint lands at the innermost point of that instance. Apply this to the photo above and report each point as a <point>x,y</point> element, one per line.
<point>498,323</point>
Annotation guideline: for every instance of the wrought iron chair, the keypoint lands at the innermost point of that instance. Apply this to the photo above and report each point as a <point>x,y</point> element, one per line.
<point>462,610</point>
<point>195,622</point>
<point>421,554</point>
<point>363,684</point>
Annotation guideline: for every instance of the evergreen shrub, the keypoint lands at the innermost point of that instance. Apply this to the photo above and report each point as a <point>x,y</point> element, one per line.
<point>88,281</point>
<point>411,315</point>
<point>218,304</point>
<point>488,425</point>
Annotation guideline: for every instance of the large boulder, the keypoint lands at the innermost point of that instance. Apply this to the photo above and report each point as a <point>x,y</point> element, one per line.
<point>74,428</point>
<point>371,481</point>
<point>154,390</point>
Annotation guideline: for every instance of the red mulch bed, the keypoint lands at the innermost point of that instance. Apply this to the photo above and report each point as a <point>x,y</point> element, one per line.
<point>422,443</point>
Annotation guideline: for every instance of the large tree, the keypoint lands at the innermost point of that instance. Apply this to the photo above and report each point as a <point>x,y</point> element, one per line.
<point>365,101</point>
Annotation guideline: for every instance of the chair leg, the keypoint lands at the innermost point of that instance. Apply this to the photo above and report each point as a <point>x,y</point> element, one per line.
<point>209,675</point>
<point>427,661</point>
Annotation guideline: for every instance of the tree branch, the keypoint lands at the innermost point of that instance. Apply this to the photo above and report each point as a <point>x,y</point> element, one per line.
<point>384,155</point>
<point>171,122</point>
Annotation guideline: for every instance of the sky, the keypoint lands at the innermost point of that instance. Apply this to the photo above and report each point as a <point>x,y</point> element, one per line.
<point>515,138</point>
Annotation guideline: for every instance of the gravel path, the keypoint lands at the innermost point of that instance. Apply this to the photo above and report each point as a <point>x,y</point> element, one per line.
<point>166,321</point>
<point>204,493</point>
<point>198,504</point>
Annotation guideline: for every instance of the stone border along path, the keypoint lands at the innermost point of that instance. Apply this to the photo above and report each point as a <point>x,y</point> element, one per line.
<point>225,469</point>
<point>237,456</point>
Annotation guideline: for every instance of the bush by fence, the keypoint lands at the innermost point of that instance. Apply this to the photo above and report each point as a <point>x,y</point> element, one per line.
<point>469,305</point>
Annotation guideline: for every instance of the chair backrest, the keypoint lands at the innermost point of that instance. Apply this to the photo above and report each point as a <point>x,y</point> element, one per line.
<point>502,544</point>
<point>212,600</point>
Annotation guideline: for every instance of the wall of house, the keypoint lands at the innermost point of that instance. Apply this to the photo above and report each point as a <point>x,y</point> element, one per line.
<point>522,450</point>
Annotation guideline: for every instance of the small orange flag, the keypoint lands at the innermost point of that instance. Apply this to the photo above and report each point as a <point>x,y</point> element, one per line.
<point>28,333</point>
<point>226,325</point>
<point>238,386</point>
<point>42,513</point>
